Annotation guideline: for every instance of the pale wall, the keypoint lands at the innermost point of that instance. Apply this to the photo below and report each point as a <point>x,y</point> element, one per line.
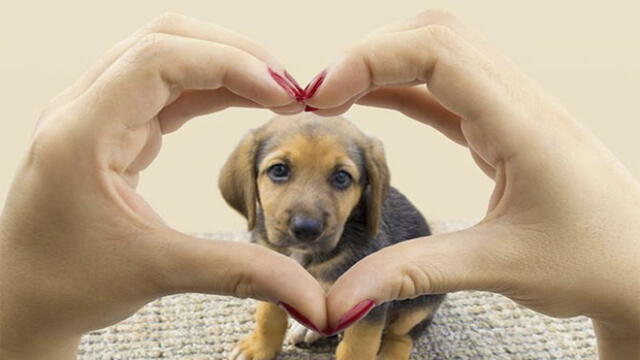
<point>586,54</point>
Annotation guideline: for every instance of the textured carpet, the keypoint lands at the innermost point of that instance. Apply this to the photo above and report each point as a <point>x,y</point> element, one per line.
<point>469,325</point>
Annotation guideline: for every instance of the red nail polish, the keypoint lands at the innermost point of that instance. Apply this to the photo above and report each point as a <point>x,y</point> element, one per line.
<point>283,83</point>
<point>356,313</point>
<point>310,108</point>
<point>294,84</point>
<point>298,316</point>
<point>313,86</point>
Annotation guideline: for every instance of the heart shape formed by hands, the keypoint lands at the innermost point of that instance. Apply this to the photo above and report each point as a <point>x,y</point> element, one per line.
<point>76,232</point>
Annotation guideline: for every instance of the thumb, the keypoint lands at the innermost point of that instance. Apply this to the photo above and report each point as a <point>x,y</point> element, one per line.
<point>242,270</point>
<point>463,260</point>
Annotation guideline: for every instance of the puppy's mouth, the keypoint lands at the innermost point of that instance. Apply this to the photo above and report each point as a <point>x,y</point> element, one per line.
<point>285,241</point>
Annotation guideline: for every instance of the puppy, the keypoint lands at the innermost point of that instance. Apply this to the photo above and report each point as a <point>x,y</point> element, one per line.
<point>317,189</point>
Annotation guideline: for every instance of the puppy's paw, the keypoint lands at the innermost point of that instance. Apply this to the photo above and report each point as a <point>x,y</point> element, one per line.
<point>251,348</point>
<point>299,334</point>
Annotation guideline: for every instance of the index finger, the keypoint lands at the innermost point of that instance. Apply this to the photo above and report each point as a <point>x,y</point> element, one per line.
<point>152,73</point>
<point>492,98</point>
<point>433,55</point>
<point>171,24</point>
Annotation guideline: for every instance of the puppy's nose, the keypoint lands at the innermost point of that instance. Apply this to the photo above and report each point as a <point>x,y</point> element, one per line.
<point>305,229</point>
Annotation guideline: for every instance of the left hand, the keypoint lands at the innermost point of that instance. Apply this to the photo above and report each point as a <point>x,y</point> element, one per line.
<point>79,248</point>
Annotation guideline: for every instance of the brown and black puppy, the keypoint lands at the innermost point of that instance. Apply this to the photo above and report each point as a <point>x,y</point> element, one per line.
<point>317,189</point>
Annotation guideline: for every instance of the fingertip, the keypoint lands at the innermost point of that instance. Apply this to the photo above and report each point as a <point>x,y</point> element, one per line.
<point>313,92</point>
<point>313,86</point>
<point>263,85</point>
<point>353,315</point>
<point>294,83</point>
<point>339,110</point>
<point>289,109</point>
<point>307,308</point>
<point>290,286</point>
<point>361,283</point>
<point>337,84</point>
<point>298,316</point>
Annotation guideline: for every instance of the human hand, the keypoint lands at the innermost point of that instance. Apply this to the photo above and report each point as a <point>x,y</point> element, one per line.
<point>79,248</point>
<point>561,233</point>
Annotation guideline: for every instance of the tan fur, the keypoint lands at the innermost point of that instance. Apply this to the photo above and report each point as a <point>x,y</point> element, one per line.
<point>318,270</point>
<point>237,181</point>
<point>312,161</point>
<point>266,340</point>
<point>313,148</point>
<point>408,319</point>
<point>396,343</point>
<point>361,341</point>
<point>379,180</point>
<point>313,157</point>
<point>395,347</point>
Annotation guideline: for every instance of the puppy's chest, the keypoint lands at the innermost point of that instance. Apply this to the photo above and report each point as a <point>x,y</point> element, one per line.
<point>325,272</point>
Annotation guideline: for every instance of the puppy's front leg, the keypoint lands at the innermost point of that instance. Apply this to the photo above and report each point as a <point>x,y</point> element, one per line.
<point>362,340</point>
<point>266,340</point>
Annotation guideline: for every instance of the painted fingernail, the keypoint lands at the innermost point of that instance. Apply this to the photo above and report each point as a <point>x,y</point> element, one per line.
<point>310,108</point>
<point>298,316</point>
<point>283,83</point>
<point>356,313</point>
<point>294,84</point>
<point>313,86</point>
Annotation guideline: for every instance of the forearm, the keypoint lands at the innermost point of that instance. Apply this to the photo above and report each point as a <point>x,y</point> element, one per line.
<point>615,343</point>
<point>27,350</point>
<point>24,331</point>
<point>24,338</point>
<point>25,335</point>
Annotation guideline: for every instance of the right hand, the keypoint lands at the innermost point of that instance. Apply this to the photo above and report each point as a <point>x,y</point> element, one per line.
<point>562,230</point>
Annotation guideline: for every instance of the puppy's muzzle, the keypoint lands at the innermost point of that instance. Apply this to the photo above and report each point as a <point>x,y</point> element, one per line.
<point>305,229</point>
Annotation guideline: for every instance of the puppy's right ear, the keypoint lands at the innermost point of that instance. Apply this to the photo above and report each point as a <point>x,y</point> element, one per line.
<point>237,181</point>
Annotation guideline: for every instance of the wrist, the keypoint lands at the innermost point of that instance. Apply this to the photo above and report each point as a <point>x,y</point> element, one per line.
<point>24,331</point>
<point>618,340</point>
<point>27,348</point>
<point>27,334</point>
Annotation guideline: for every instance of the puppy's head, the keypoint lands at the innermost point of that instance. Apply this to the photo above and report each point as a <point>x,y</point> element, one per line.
<point>306,174</point>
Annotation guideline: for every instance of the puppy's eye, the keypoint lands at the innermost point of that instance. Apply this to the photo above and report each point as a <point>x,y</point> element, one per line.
<point>278,172</point>
<point>341,179</point>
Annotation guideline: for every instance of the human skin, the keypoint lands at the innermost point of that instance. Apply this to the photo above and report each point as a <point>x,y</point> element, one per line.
<point>79,248</point>
<point>561,234</point>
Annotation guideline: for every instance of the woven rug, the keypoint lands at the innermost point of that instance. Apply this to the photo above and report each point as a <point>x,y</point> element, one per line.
<point>468,325</point>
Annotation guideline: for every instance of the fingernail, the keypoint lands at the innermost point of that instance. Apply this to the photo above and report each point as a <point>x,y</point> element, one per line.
<point>310,108</point>
<point>294,84</point>
<point>356,313</point>
<point>298,316</point>
<point>283,83</point>
<point>313,86</point>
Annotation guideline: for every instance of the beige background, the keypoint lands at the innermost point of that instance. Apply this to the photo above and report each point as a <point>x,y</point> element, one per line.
<point>586,53</point>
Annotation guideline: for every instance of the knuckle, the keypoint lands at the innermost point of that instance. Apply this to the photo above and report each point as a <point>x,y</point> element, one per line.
<point>243,287</point>
<point>439,33</point>
<point>437,16</point>
<point>47,146</point>
<point>416,280</point>
<point>47,112</point>
<point>232,55</point>
<point>354,52</point>
<point>166,21</point>
<point>148,46</point>
<point>362,49</point>
<point>364,53</point>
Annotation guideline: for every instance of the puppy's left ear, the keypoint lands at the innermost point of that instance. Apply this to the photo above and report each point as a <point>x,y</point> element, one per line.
<point>378,180</point>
